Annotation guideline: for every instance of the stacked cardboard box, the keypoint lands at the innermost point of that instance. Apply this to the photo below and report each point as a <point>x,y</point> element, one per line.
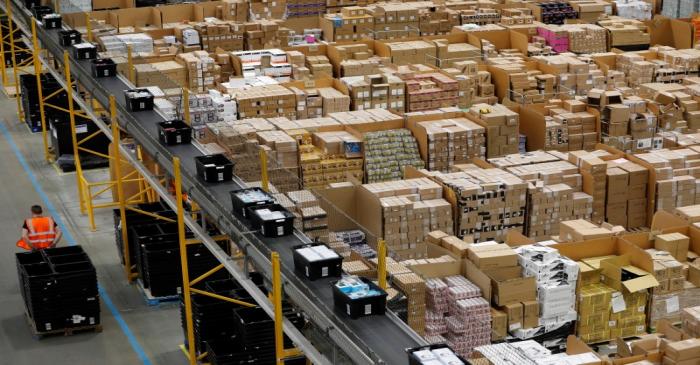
<point>591,10</point>
<point>593,170</point>
<point>676,177</point>
<point>690,319</point>
<point>352,23</point>
<point>637,68</point>
<point>580,124</point>
<point>451,142</point>
<point>303,8</point>
<point>165,75</point>
<point>578,230</point>
<point>264,9</point>
<point>118,44</point>
<point>625,32</point>
<point>202,71</point>
<point>578,38</point>
<point>265,101</point>
<point>412,52</point>
<point>501,128</point>
<point>332,158</point>
<point>413,287</point>
<point>594,303</point>
<point>406,222</point>
<point>668,271</point>
<point>388,152</point>
<point>220,34</point>
<point>319,66</point>
<point>556,277</point>
<point>480,16</point>
<point>450,53</point>
<point>284,148</point>
<point>383,91</point>
<point>358,60</point>
<point>311,218</point>
<point>553,193</point>
<point>435,21</point>
<point>489,202</point>
<point>626,201</point>
<point>266,33</point>
<point>469,320</point>
<point>398,20</point>
<point>687,351</point>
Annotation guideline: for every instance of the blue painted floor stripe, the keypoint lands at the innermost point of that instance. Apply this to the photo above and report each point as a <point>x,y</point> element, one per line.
<point>71,242</point>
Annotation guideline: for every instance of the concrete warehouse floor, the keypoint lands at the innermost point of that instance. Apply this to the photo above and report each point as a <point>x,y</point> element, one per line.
<point>134,333</point>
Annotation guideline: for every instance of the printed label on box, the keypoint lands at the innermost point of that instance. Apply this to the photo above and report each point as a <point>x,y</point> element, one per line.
<point>618,302</point>
<point>368,309</point>
<point>672,304</point>
<point>324,271</point>
<point>280,231</point>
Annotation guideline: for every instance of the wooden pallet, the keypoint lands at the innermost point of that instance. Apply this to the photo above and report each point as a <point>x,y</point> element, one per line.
<point>150,299</point>
<point>97,328</point>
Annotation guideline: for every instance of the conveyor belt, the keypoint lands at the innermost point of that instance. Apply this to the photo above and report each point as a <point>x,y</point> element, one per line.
<point>383,339</point>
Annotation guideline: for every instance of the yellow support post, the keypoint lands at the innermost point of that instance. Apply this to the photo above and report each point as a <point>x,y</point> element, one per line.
<point>76,156</point>
<point>130,63</point>
<point>277,303</point>
<point>381,263</point>
<point>14,58</point>
<point>88,26</point>
<point>40,92</point>
<point>265,182</point>
<point>186,105</point>
<point>183,261</point>
<point>120,187</point>
<point>2,55</point>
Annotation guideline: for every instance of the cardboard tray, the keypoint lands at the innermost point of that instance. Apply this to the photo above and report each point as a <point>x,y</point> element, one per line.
<point>222,169</point>
<point>317,269</point>
<point>173,132</point>
<point>356,308</point>
<point>273,227</point>
<point>240,207</point>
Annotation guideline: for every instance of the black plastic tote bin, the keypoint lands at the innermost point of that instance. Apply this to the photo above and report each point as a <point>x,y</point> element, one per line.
<point>360,307</point>
<point>174,132</point>
<point>243,199</point>
<point>104,67</point>
<point>52,21</point>
<point>69,37</point>
<point>332,267</point>
<point>271,227</point>
<point>138,100</point>
<point>214,168</point>
<point>84,51</point>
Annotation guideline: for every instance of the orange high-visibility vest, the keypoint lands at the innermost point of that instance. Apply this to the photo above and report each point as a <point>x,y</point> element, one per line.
<point>41,233</point>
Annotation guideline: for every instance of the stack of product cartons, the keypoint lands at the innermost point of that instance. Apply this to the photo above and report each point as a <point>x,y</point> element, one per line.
<point>489,203</point>
<point>264,9</point>
<point>351,24</point>
<point>166,74</point>
<point>626,201</point>
<point>452,142</point>
<point>265,33</point>
<point>480,16</point>
<point>388,152</point>
<point>265,101</point>
<point>668,299</point>
<point>578,230</point>
<point>319,66</point>
<point>202,70</point>
<point>429,91</point>
<point>556,277</point>
<point>594,303</point>
<point>358,60</point>
<point>580,124</point>
<point>303,8</point>
<point>383,91</point>
<point>501,128</point>
<point>690,321</point>
<point>406,222</point>
<point>413,287</point>
<point>675,176</point>
<point>395,20</point>
<point>553,192</point>
<point>118,44</point>
<point>435,21</point>
<point>311,218</point>
<point>578,38</point>
<point>593,170</point>
<point>331,158</point>
<point>574,73</point>
<point>284,148</point>
<point>637,69</point>
<point>457,311</point>
<point>220,34</point>
<point>450,53</point>
<point>412,52</point>
<point>625,32</point>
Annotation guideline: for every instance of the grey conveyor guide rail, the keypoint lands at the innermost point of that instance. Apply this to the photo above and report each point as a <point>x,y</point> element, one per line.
<point>375,339</point>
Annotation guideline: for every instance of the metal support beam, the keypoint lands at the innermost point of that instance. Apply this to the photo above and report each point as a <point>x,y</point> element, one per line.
<point>74,137</point>
<point>40,93</point>
<point>120,188</point>
<point>277,303</point>
<point>183,261</point>
<point>381,263</point>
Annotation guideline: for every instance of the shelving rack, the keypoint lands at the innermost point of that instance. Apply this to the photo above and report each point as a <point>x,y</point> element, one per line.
<point>371,340</point>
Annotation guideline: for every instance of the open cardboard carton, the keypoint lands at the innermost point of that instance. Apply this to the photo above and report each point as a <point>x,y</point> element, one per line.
<point>649,347</point>
<point>620,274</point>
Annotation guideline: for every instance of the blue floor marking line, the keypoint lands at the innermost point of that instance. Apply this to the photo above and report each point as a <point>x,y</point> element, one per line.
<point>71,242</point>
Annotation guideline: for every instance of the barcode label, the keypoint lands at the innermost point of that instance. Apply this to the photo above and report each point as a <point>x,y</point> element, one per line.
<point>280,230</point>
<point>221,176</point>
<point>324,271</point>
<point>368,309</point>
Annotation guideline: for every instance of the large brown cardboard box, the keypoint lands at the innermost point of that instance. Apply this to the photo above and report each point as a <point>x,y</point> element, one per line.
<point>683,350</point>
<point>514,311</point>
<point>499,325</point>
<point>508,286</point>
<point>531,312</point>
<point>492,256</point>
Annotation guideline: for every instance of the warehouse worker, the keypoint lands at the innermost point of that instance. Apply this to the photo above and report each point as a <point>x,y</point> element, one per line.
<point>39,232</point>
